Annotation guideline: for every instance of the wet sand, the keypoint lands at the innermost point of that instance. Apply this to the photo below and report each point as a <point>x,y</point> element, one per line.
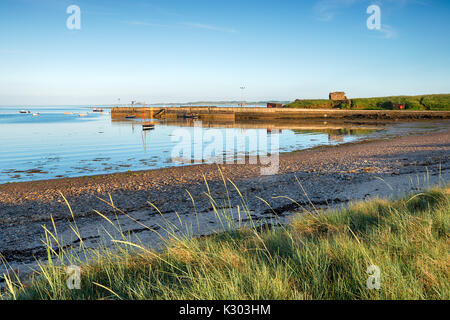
<point>331,176</point>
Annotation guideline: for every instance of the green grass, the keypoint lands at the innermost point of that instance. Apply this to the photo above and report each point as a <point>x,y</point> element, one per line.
<point>421,102</point>
<point>311,104</point>
<point>320,255</point>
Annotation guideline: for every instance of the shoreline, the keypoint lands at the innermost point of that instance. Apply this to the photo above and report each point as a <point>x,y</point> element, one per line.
<point>80,179</point>
<point>332,176</point>
<point>213,113</point>
<point>362,131</point>
<point>160,177</point>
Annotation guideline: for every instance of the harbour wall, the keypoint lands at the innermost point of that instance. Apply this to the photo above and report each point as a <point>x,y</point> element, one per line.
<point>262,114</point>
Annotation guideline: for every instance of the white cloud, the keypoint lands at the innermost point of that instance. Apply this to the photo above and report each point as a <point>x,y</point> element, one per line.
<point>209,27</point>
<point>328,9</point>
<point>146,24</point>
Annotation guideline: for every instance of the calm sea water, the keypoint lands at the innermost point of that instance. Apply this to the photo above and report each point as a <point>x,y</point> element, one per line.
<point>55,145</point>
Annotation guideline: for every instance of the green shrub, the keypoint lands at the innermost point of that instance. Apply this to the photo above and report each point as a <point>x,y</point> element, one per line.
<point>422,102</point>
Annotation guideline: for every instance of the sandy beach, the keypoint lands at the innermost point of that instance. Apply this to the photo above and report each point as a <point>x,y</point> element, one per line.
<point>330,176</point>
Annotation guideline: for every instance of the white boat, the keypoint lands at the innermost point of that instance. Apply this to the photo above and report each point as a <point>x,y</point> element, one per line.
<point>24,111</point>
<point>36,114</point>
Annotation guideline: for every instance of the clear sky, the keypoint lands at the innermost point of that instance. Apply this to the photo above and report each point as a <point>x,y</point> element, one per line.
<point>190,50</point>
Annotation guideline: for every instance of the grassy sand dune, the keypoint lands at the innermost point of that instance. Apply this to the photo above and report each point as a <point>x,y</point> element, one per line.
<point>320,255</point>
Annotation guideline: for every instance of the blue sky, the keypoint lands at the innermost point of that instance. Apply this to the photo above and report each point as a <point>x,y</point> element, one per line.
<point>189,50</point>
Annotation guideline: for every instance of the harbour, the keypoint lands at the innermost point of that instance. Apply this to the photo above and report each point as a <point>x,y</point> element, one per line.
<point>214,113</point>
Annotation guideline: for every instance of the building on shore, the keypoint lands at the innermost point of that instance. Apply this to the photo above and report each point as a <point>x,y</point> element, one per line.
<point>337,96</point>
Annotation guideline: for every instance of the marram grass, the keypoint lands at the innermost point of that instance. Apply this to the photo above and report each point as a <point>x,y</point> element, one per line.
<point>320,255</point>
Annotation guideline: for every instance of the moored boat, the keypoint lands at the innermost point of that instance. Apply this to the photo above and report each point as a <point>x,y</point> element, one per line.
<point>148,126</point>
<point>190,116</point>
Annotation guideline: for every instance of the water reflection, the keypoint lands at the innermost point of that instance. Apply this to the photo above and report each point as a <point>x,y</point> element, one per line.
<point>292,135</point>
<point>58,143</point>
<point>336,131</point>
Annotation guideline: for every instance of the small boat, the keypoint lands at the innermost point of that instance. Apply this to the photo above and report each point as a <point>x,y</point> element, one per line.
<point>68,112</point>
<point>130,117</point>
<point>190,116</point>
<point>36,114</point>
<point>24,111</point>
<point>82,114</point>
<point>148,126</point>
<point>97,110</point>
